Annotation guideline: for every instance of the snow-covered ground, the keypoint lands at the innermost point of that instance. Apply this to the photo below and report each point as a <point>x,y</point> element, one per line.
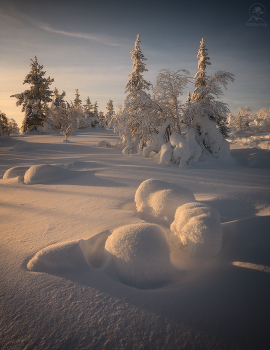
<point>60,289</point>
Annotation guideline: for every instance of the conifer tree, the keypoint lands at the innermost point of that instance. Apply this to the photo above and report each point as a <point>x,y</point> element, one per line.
<point>34,100</point>
<point>110,112</point>
<point>204,113</point>
<point>136,81</point>
<point>200,93</point>
<point>77,102</point>
<point>3,124</point>
<point>58,99</point>
<point>88,106</point>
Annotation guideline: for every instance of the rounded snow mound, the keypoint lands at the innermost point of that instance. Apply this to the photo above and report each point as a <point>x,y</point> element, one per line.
<point>158,200</point>
<point>44,173</point>
<point>58,257</point>
<point>104,143</point>
<point>15,172</point>
<point>140,254</point>
<point>197,228</point>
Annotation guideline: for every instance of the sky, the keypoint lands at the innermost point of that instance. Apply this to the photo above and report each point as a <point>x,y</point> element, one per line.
<point>86,45</point>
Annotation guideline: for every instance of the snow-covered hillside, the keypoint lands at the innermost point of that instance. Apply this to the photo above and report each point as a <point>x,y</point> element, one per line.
<point>63,283</point>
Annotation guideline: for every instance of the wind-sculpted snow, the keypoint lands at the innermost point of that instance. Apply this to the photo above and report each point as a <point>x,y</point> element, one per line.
<point>15,172</point>
<point>45,173</point>
<point>138,255</point>
<point>197,228</point>
<point>58,257</point>
<point>157,200</point>
<point>141,254</point>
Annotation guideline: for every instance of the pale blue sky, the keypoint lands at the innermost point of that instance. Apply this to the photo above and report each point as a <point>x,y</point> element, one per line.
<point>86,45</point>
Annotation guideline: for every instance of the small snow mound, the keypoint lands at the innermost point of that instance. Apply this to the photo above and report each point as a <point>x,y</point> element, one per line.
<point>197,228</point>
<point>104,143</point>
<point>44,173</point>
<point>141,254</point>
<point>165,154</point>
<point>58,257</point>
<point>158,200</point>
<point>15,172</point>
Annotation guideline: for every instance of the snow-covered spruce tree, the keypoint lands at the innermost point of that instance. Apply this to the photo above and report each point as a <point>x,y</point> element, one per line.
<point>35,99</point>
<point>77,101</point>
<point>82,120</point>
<point>95,114</point>
<point>169,86</point>
<point>138,117</point>
<point>7,126</point>
<point>3,124</point>
<point>88,111</point>
<point>56,112</point>
<point>110,113</point>
<point>205,114</point>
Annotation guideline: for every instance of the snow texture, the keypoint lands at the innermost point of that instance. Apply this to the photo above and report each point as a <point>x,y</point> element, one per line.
<point>197,228</point>
<point>104,143</point>
<point>195,149</point>
<point>58,257</point>
<point>165,154</point>
<point>15,172</point>
<point>157,200</point>
<point>141,254</point>
<point>45,173</point>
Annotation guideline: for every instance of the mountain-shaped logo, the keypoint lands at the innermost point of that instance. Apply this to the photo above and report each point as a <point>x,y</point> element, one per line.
<point>257,12</point>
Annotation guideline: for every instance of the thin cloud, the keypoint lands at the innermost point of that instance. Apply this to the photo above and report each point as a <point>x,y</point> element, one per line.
<point>103,39</point>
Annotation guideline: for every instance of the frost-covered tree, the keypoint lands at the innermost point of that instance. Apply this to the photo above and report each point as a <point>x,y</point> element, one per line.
<point>35,99</point>
<point>3,124</point>
<point>58,99</point>
<point>136,81</point>
<point>169,86</point>
<point>88,107</point>
<point>205,114</point>
<point>77,101</point>
<point>110,113</point>
<point>242,118</point>
<point>7,126</point>
<point>137,116</point>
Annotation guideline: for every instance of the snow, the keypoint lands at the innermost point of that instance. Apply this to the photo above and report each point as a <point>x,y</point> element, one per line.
<point>195,149</point>
<point>197,228</point>
<point>165,154</point>
<point>141,254</point>
<point>157,200</point>
<point>59,289</point>
<point>44,173</point>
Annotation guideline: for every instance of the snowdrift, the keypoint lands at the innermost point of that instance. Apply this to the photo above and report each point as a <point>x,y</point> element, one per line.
<point>140,254</point>
<point>156,200</point>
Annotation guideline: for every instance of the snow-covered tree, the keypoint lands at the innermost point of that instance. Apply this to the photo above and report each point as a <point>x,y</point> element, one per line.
<point>35,99</point>
<point>3,124</point>
<point>110,113</point>
<point>169,86</point>
<point>77,102</point>
<point>58,99</point>
<point>206,115</point>
<point>7,126</point>
<point>242,118</point>
<point>136,80</point>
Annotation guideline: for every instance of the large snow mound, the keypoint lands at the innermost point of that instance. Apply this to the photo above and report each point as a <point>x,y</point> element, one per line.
<point>45,173</point>
<point>140,254</point>
<point>197,228</point>
<point>58,257</point>
<point>157,200</point>
<point>15,172</point>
